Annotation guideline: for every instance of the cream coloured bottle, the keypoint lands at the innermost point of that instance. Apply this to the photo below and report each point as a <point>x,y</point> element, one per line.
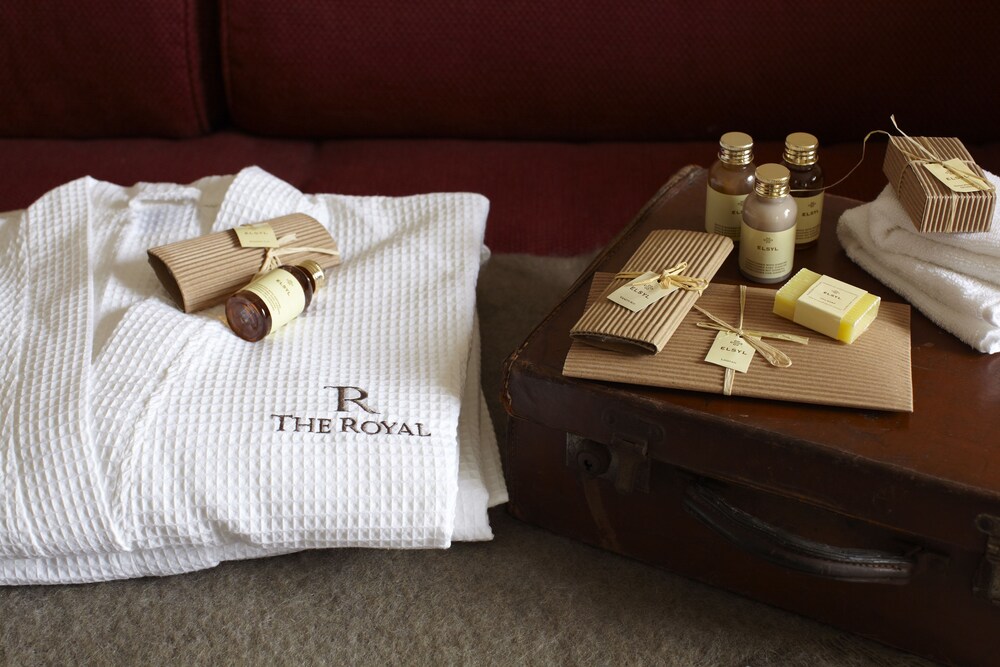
<point>767,233</point>
<point>730,180</point>
<point>801,158</point>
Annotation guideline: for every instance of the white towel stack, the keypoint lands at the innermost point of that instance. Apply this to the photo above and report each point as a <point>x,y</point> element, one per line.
<point>953,279</point>
<point>138,440</point>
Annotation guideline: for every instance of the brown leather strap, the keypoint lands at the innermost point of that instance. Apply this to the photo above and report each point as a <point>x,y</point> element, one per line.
<point>786,549</point>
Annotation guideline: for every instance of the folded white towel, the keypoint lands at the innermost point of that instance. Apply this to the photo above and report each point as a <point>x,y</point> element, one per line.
<point>974,254</point>
<point>138,440</point>
<point>954,279</point>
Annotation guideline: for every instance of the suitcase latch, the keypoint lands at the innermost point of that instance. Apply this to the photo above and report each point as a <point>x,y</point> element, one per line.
<point>987,581</point>
<point>624,460</point>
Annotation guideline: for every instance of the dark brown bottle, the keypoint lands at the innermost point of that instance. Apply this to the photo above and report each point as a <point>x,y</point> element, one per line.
<point>273,300</point>
<point>801,159</point>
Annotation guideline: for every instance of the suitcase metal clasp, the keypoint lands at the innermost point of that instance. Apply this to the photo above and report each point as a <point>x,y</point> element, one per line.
<point>623,460</point>
<point>987,582</point>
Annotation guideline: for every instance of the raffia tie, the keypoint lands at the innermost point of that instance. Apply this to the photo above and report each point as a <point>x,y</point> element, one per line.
<point>773,355</point>
<point>668,278</point>
<point>275,257</point>
<point>920,155</point>
<point>924,155</point>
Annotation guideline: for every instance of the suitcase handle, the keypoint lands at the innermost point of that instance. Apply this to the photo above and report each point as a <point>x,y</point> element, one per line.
<point>792,551</point>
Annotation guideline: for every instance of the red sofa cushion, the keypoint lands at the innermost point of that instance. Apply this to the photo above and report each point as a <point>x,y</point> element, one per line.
<point>604,69</point>
<point>108,68</point>
<point>545,198</point>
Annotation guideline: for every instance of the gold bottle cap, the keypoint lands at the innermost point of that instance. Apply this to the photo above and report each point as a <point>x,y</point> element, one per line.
<point>736,148</point>
<point>801,148</point>
<point>315,270</point>
<point>771,180</point>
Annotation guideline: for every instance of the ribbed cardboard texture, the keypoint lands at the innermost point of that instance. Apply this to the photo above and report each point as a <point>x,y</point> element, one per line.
<point>202,272</point>
<point>931,205</point>
<point>873,372</point>
<point>609,325</point>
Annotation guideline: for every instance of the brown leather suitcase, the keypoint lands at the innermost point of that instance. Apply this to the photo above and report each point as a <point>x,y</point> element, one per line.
<point>884,524</point>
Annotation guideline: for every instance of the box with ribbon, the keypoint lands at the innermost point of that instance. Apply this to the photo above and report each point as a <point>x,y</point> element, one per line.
<point>646,301</point>
<point>732,343</point>
<point>939,185</point>
<point>202,272</point>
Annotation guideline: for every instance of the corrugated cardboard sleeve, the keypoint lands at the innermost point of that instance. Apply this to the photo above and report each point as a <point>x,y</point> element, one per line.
<point>609,325</point>
<point>202,272</point>
<point>873,372</point>
<point>931,205</point>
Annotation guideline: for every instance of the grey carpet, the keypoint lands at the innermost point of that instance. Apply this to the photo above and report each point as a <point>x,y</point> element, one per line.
<point>528,597</point>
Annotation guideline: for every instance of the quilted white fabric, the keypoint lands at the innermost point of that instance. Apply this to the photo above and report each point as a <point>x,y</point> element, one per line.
<point>138,440</point>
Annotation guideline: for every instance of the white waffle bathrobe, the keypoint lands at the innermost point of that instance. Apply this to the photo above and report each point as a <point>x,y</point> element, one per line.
<point>138,440</point>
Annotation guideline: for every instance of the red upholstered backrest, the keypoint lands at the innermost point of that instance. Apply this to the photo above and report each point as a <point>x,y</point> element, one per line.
<point>608,69</point>
<point>535,69</point>
<point>98,68</point>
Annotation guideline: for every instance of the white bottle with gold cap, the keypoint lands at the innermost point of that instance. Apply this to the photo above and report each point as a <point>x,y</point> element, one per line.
<point>767,233</point>
<point>730,180</point>
<point>801,149</point>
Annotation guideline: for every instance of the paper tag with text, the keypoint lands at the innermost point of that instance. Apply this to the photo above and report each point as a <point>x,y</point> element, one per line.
<point>260,235</point>
<point>730,351</point>
<point>970,183</point>
<point>636,297</point>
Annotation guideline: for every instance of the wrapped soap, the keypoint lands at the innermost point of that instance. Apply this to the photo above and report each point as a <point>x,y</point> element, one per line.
<point>826,305</point>
<point>873,374</point>
<point>649,297</point>
<point>202,272</point>
<point>939,185</point>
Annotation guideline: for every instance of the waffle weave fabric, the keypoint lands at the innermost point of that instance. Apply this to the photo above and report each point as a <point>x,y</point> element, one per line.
<point>138,440</point>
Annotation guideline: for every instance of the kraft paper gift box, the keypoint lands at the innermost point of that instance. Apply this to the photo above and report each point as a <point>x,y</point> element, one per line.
<point>202,272</point>
<point>610,325</point>
<point>911,165</point>
<point>873,372</point>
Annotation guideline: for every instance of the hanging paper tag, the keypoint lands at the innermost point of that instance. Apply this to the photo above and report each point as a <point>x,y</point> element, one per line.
<point>260,235</point>
<point>968,181</point>
<point>636,297</point>
<point>730,351</point>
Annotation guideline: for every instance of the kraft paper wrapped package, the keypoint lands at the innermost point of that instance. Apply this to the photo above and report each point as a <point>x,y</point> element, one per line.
<point>695,256</point>
<point>203,272</point>
<point>939,185</point>
<point>872,373</point>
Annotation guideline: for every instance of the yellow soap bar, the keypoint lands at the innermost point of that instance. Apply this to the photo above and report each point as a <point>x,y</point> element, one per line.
<point>784,300</point>
<point>826,305</point>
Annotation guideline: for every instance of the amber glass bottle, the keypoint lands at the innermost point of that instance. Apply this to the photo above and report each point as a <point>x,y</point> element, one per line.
<point>730,180</point>
<point>273,300</point>
<point>801,159</point>
<point>767,245</point>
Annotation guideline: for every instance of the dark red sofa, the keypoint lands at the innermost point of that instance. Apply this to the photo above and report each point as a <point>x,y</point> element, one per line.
<point>568,116</point>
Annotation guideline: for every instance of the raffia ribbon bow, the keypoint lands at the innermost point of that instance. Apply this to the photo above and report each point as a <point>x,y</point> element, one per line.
<point>920,154</point>
<point>668,278</point>
<point>773,355</point>
<point>275,257</point>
